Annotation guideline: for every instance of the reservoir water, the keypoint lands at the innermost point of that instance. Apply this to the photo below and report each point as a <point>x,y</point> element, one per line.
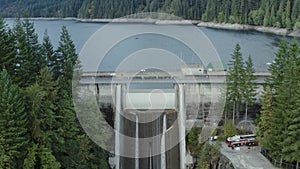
<point>260,46</point>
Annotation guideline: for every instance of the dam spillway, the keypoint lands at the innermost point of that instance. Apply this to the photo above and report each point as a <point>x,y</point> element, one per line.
<point>156,126</point>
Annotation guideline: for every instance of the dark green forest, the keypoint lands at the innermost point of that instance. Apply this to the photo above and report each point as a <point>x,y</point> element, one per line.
<point>277,13</point>
<point>38,123</point>
<point>278,121</point>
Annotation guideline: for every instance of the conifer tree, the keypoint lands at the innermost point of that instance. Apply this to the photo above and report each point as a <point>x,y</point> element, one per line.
<point>279,73</point>
<point>249,85</point>
<point>288,22</point>
<point>48,52</point>
<point>273,17</point>
<point>30,60</point>
<point>285,83</point>
<point>7,52</point>
<point>267,15</point>
<point>13,121</point>
<point>40,98</point>
<point>235,80</point>
<point>291,143</point>
<point>66,56</point>
<point>280,15</point>
<point>295,11</point>
<point>264,126</point>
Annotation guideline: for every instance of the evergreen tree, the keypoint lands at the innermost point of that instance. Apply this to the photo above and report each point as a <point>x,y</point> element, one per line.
<point>48,52</point>
<point>7,52</point>
<point>280,15</point>
<point>40,98</point>
<point>250,85</point>
<point>30,60</point>
<point>288,22</point>
<point>229,129</point>
<point>264,125</point>
<point>296,11</point>
<point>285,83</point>
<point>13,121</point>
<point>273,17</point>
<point>278,71</point>
<point>267,16</point>
<point>66,56</point>
<point>235,80</point>
<point>291,143</point>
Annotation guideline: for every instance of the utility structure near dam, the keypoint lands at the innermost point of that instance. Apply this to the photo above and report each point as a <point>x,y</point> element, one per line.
<point>153,110</point>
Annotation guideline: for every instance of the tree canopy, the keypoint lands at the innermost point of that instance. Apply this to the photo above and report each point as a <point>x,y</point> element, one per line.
<point>38,123</point>
<point>278,13</point>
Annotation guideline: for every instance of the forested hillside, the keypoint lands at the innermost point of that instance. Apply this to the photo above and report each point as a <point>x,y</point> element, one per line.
<point>39,8</point>
<point>279,13</point>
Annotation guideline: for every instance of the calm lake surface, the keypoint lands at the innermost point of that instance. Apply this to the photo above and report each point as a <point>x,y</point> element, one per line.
<point>260,46</point>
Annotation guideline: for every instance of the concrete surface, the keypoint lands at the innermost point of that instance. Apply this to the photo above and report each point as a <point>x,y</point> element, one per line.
<point>244,158</point>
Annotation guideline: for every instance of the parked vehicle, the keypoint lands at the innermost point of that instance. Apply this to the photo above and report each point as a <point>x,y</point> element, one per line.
<point>242,140</point>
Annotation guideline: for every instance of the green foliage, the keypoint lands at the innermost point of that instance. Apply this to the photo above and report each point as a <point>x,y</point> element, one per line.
<point>13,121</point>
<point>257,12</point>
<point>39,128</point>
<point>206,153</point>
<point>193,140</point>
<point>7,51</point>
<point>257,17</point>
<point>30,60</point>
<point>267,16</point>
<point>209,154</point>
<point>288,21</point>
<point>278,126</point>
<point>241,86</point>
<point>48,161</point>
<point>30,160</point>
<point>297,25</point>
<point>235,80</point>
<point>264,125</point>
<point>229,129</point>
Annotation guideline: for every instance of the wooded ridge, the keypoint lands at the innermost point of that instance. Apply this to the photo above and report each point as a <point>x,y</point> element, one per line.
<point>274,13</point>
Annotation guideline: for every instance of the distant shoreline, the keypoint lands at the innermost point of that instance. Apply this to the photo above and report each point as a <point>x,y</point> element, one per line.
<point>224,26</point>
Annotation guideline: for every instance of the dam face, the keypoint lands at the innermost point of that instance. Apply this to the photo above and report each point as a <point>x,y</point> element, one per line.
<point>153,122</point>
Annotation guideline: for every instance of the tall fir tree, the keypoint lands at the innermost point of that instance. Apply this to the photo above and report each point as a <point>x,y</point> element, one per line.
<point>288,22</point>
<point>267,15</point>
<point>13,124</point>
<point>48,51</point>
<point>30,60</point>
<point>7,52</point>
<point>235,81</point>
<point>66,56</point>
<point>284,83</point>
<point>291,143</point>
<point>264,125</point>
<point>249,87</point>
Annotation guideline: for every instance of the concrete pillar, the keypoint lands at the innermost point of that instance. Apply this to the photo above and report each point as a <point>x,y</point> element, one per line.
<point>137,142</point>
<point>163,144</point>
<point>117,125</point>
<point>181,125</point>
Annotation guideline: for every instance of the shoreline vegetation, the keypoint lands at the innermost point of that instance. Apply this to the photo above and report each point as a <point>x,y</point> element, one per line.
<point>215,25</point>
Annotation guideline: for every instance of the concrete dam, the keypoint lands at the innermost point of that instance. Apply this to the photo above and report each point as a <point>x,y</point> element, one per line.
<point>152,111</point>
